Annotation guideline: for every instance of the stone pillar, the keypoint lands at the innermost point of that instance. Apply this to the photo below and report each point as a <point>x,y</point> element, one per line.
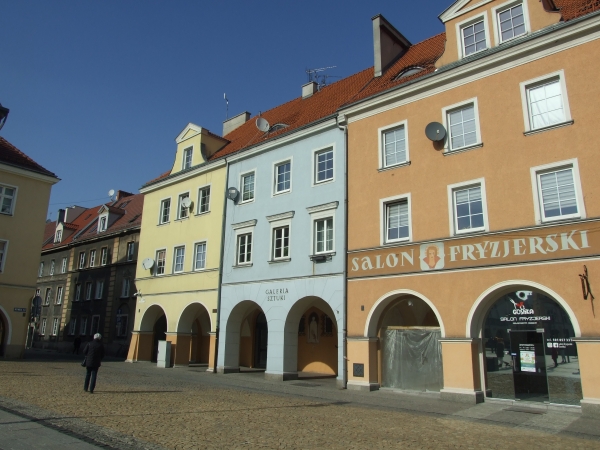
<point>140,348</point>
<point>588,352</point>
<point>212,349</point>
<point>462,371</point>
<point>180,348</point>
<point>362,365</point>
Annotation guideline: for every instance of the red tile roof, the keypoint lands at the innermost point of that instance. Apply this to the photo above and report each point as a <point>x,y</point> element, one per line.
<point>572,9</point>
<point>423,55</point>
<point>84,224</point>
<point>11,155</point>
<point>296,113</point>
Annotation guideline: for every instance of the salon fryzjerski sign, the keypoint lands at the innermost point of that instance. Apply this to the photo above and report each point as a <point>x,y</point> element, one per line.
<point>567,241</point>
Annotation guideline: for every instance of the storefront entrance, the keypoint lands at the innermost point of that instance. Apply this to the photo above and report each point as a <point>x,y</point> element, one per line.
<point>410,353</point>
<point>261,337</point>
<point>529,354</point>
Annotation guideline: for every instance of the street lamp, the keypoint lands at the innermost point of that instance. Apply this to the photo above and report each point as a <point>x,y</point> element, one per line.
<point>3,115</point>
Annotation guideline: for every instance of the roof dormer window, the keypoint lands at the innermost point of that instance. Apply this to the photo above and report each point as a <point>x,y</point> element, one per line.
<point>187,158</point>
<point>102,223</point>
<point>277,127</point>
<point>473,35</point>
<point>408,72</point>
<point>58,236</point>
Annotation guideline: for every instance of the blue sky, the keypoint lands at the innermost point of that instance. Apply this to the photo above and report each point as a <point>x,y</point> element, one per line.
<point>98,90</point>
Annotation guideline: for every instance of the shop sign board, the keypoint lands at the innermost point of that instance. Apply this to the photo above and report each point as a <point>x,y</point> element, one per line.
<point>539,244</point>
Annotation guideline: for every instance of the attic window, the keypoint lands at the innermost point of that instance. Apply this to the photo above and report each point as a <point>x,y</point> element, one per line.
<point>58,237</point>
<point>124,204</point>
<point>102,223</point>
<point>409,71</point>
<point>134,217</point>
<point>277,127</point>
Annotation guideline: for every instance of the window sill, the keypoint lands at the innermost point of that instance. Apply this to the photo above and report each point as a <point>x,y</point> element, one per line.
<point>242,266</point>
<point>560,220</point>
<point>203,213</point>
<point>319,183</point>
<point>181,219</point>
<point>6,214</point>
<point>470,232</point>
<point>163,224</point>
<point>549,127</point>
<point>245,202</point>
<point>395,166</point>
<point>397,241</point>
<point>448,152</point>
<point>277,261</point>
<point>322,257</point>
<point>282,192</point>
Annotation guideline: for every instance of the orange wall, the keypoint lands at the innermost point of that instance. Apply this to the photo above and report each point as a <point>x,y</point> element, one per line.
<point>504,160</point>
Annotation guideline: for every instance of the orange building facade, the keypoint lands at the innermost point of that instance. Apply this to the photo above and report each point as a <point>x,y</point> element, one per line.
<point>473,247</point>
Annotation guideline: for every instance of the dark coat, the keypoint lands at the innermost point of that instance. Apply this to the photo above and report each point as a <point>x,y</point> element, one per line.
<point>94,353</point>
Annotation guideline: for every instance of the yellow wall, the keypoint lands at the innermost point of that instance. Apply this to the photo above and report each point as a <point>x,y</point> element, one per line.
<point>24,231</point>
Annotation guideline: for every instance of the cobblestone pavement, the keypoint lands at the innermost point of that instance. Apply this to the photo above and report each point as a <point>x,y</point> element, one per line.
<point>140,406</point>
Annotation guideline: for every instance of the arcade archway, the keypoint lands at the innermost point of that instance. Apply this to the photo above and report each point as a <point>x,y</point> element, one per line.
<point>527,351</point>
<point>3,334</point>
<point>246,338</point>
<point>155,321</point>
<point>311,339</point>
<point>408,353</point>
<point>193,329</point>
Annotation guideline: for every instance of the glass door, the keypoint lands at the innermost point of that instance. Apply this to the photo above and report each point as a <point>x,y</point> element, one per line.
<point>529,365</point>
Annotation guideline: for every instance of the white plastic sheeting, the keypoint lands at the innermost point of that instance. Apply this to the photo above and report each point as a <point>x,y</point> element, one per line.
<point>411,359</point>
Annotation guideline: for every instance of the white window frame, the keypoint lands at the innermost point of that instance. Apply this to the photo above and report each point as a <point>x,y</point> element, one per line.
<point>164,267</point>
<point>41,270</point>
<point>240,229</point>
<point>496,10</point>
<point>52,266</point>
<point>43,327</point>
<point>242,175</point>
<point>180,198</point>
<point>81,260</point>
<point>64,265</point>
<point>316,213</point>
<point>125,287</point>
<point>175,248</point>
<point>59,295</point>
<point>161,208</point>
<point>14,199</point>
<point>55,326</point>
<point>446,110</point>
<point>73,326</point>
<point>3,251</point>
<point>97,319</point>
<point>130,254</point>
<point>103,256</point>
<point>537,201</point>
<point>380,144</point>
<point>58,236</point>
<point>209,186</point>
<point>274,191</point>
<point>452,188</point>
<point>316,152</point>
<point>47,296</point>
<point>99,289</point>
<point>383,204</point>
<point>77,296</point>
<point>468,22</point>
<point>196,244</point>
<point>525,85</point>
<point>279,221</point>
<point>92,258</point>
<point>83,326</point>
<point>103,223</point>
<point>185,166</point>
<point>88,290</point>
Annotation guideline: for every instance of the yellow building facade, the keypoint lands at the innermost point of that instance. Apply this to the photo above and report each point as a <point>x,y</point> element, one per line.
<point>24,195</point>
<point>177,277</point>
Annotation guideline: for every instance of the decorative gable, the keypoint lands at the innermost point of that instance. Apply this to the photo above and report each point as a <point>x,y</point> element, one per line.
<point>194,146</point>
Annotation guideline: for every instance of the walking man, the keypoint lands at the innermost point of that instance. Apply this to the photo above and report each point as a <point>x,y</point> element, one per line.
<point>94,353</point>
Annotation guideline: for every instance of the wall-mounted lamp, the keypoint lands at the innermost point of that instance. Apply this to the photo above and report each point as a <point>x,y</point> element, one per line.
<point>139,294</point>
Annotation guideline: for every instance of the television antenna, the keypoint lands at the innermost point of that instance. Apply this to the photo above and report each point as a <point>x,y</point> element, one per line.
<point>226,106</point>
<point>316,76</point>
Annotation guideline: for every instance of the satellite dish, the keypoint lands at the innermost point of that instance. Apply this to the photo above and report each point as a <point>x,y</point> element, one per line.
<point>435,132</point>
<point>111,192</point>
<point>232,193</point>
<point>262,125</point>
<point>148,263</point>
<point>186,202</point>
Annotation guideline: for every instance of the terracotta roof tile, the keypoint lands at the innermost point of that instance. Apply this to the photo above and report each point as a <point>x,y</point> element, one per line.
<point>572,9</point>
<point>84,224</point>
<point>296,113</point>
<point>11,155</point>
<point>423,55</point>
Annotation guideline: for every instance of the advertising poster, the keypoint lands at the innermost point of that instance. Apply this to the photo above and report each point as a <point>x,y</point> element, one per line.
<point>527,358</point>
